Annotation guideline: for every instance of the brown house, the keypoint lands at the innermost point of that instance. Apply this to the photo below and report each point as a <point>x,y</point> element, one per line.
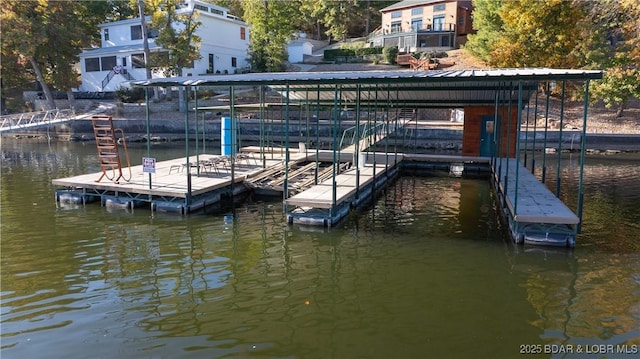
<point>414,25</point>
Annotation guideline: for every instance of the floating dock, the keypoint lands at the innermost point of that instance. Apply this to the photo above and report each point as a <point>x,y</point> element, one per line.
<point>328,202</point>
<point>174,187</point>
<point>534,213</point>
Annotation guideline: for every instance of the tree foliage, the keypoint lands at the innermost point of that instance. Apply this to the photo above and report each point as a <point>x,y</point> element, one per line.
<point>537,33</point>
<point>610,35</point>
<point>274,22</point>
<point>337,15</point>
<point>41,40</point>
<point>488,25</point>
<point>564,34</point>
<point>272,25</point>
<point>389,53</point>
<point>176,34</point>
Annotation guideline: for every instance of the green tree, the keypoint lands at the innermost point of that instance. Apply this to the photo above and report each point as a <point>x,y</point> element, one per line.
<point>337,16</point>
<point>234,6</point>
<point>272,25</point>
<point>488,25</point>
<point>610,34</point>
<point>42,40</point>
<point>65,40</point>
<point>177,35</point>
<point>311,21</point>
<point>24,30</point>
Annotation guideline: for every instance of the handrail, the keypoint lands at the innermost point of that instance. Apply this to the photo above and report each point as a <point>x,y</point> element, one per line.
<point>127,75</point>
<point>33,119</point>
<point>126,154</point>
<point>107,79</point>
<point>365,134</point>
<point>122,71</point>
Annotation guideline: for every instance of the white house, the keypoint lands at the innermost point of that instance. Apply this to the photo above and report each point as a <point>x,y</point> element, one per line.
<point>225,41</point>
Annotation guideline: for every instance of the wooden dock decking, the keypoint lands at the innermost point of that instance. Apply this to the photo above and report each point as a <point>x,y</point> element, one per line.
<point>321,195</point>
<point>169,183</point>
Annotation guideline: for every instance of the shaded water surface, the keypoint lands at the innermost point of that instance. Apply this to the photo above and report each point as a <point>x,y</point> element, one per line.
<point>424,271</point>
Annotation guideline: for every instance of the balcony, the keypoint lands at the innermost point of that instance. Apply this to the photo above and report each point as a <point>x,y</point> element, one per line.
<point>438,36</point>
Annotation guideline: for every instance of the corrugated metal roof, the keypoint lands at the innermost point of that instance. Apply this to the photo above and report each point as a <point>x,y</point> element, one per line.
<point>387,77</point>
<point>395,88</point>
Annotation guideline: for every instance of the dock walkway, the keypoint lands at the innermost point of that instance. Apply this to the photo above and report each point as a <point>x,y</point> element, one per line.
<point>328,202</point>
<point>321,195</point>
<point>536,215</point>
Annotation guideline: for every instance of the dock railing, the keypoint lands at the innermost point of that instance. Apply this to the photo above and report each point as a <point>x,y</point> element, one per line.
<point>34,119</point>
<point>367,136</point>
<point>370,133</point>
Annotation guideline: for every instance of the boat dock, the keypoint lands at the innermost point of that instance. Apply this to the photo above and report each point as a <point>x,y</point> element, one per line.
<point>319,186</point>
<point>535,214</point>
<point>173,187</point>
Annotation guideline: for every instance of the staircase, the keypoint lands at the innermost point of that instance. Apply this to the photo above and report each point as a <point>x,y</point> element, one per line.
<point>119,71</point>
<point>108,149</point>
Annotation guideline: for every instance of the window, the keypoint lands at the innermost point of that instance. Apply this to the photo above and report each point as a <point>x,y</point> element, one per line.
<point>137,61</point>
<point>416,24</point>
<point>92,64</point>
<point>396,14</point>
<point>438,23</point>
<point>106,34</point>
<point>152,33</point>
<point>210,68</point>
<point>396,26</point>
<point>108,63</point>
<point>440,7</point>
<point>124,62</point>
<point>201,8</point>
<point>416,11</point>
<point>216,11</point>
<point>243,35</point>
<point>136,32</point>
<point>234,62</point>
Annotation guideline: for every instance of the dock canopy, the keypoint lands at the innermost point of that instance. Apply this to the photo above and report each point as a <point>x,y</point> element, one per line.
<point>438,88</point>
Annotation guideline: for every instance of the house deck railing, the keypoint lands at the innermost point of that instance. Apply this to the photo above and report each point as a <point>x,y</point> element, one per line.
<point>428,28</point>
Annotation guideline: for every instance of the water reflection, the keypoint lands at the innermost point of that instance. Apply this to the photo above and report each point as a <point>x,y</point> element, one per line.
<point>611,219</point>
<point>424,270</point>
<point>455,208</point>
<point>583,299</point>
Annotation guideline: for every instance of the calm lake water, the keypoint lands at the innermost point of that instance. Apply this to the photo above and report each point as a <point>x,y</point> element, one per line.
<point>426,270</point>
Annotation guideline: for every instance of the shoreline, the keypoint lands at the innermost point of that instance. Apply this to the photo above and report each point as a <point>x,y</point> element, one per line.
<point>430,135</point>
